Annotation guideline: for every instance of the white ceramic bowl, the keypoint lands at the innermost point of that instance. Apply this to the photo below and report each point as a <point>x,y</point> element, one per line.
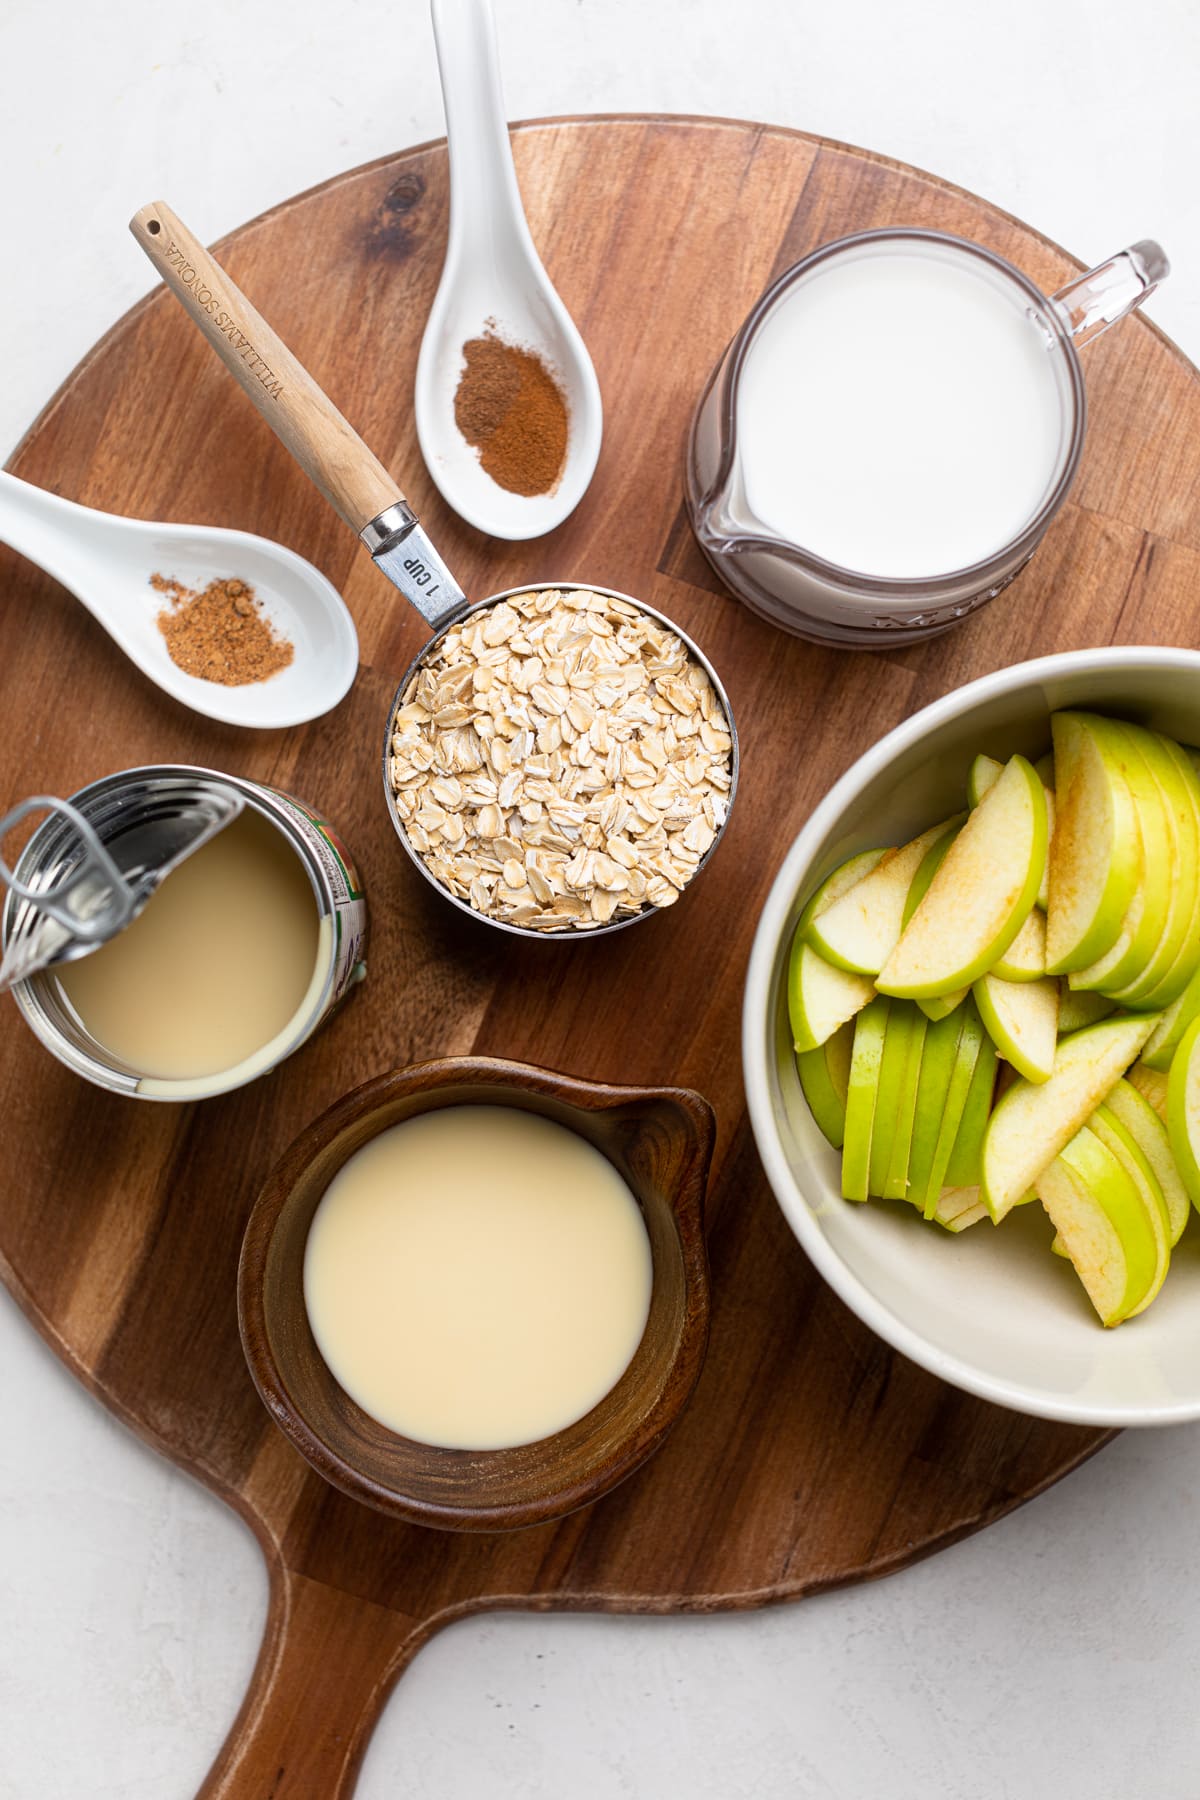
<point>991,1310</point>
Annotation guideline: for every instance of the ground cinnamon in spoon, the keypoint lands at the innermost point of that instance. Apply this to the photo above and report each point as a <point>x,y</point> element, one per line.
<point>511,409</point>
<point>220,634</point>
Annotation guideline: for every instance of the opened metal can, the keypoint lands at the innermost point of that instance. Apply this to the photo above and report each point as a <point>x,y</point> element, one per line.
<point>142,801</point>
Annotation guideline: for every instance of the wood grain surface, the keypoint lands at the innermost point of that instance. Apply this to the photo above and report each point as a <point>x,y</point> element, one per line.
<point>811,1454</point>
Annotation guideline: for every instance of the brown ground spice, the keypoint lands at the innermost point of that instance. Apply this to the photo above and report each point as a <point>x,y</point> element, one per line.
<point>221,634</point>
<point>511,409</point>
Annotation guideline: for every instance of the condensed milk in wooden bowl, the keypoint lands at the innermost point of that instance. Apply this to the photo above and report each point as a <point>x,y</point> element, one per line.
<point>254,934</point>
<point>474,1294</point>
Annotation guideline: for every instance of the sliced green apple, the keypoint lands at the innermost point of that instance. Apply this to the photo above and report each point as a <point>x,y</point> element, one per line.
<point>1169,883</point>
<point>942,1005</point>
<point>896,1102</point>
<point>1177,954</point>
<point>1025,958</point>
<point>1151,1084</point>
<point>895,1185</point>
<point>931,862</point>
<point>965,1162</point>
<point>838,1052</point>
<point>1022,1021</point>
<point>1105,1225</point>
<point>1112,1134</point>
<point>980,896</point>
<point>1103,976</point>
<point>959,1208</point>
<point>1146,916</point>
<point>1095,857</point>
<point>1034,1121</point>
<point>1161,1045</point>
<point>1148,1131</point>
<point>1077,1010</point>
<point>870,1029</point>
<point>947,1064</point>
<point>1043,898</point>
<point>825,1078</point>
<point>859,930</point>
<point>843,878</point>
<point>971,1216</point>
<point>1183,1110</point>
<point>1182,787</point>
<point>983,774</point>
<point>821,998</point>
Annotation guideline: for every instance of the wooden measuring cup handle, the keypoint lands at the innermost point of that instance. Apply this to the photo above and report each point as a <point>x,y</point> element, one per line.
<point>327,1664</point>
<point>329,450</point>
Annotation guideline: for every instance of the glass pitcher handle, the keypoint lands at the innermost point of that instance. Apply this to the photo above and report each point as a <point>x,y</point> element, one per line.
<point>1092,302</point>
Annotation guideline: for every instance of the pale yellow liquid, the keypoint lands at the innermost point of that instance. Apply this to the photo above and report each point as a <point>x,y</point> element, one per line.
<point>477,1277</point>
<point>215,966</point>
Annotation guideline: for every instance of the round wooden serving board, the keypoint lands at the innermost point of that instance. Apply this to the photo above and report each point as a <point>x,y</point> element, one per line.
<point>811,1454</point>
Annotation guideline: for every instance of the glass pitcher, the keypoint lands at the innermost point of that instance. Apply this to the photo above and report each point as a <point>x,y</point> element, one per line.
<point>820,598</point>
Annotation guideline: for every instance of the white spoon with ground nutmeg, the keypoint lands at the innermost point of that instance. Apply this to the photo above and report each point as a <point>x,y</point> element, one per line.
<point>230,624</point>
<point>507,403</point>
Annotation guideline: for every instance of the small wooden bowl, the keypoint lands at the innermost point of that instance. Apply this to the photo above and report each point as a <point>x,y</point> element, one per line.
<point>661,1141</point>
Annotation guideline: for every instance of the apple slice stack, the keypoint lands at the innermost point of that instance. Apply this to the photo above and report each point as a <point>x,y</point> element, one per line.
<point>966,1007</point>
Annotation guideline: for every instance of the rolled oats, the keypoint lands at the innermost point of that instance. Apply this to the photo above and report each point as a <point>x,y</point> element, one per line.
<point>561,761</point>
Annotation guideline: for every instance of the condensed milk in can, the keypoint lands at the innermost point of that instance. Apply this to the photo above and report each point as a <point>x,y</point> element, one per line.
<point>247,888</point>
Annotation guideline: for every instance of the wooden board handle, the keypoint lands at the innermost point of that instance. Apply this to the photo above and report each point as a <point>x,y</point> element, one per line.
<point>327,1664</point>
<point>330,451</point>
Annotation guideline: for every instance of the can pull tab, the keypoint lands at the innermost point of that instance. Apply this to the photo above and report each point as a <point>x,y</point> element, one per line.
<point>82,894</point>
<point>92,900</point>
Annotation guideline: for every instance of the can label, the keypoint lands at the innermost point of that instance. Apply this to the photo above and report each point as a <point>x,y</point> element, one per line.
<point>345,890</point>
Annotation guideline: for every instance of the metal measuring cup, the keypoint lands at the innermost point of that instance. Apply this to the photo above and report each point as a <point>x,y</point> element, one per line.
<point>455,616</point>
<point>362,492</point>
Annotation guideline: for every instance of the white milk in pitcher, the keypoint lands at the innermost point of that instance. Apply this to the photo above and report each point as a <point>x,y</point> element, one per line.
<point>900,413</point>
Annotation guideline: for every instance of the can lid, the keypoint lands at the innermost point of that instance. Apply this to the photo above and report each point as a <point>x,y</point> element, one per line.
<point>72,891</point>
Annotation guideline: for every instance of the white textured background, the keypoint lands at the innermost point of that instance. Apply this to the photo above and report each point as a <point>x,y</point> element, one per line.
<point>1052,1658</point>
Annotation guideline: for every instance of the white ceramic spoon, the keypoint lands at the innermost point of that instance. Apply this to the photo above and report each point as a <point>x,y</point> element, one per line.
<point>492,274</point>
<point>107,561</point>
